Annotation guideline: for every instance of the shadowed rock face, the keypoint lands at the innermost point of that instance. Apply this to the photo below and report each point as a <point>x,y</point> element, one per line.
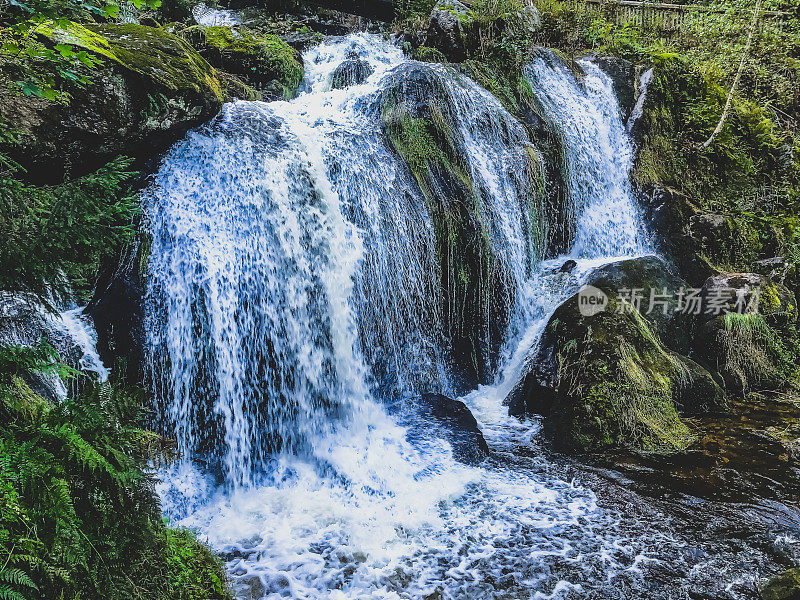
<point>150,90</point>
<point>611,378</point>
<point>432,416</point>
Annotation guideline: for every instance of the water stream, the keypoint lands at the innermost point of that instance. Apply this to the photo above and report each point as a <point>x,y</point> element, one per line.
<point>292,272</point>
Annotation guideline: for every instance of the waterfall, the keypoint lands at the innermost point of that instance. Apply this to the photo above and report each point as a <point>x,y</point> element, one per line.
<point>293,286</point>
<point>586,114</point>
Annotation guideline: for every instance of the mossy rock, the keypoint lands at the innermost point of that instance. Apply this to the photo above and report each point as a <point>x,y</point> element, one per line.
<point>264,61</point>
<point>353,71</point>
<point>785,586</point>
<point>754,345</point>
<point>419,122</point>
<point>650,276</point>
<point>604,380</point>
<point>151,88</point>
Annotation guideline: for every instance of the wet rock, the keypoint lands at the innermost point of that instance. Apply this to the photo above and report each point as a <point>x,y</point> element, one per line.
<point>117,309</point>
<point>265,62</point>
<point>745,345</point>
<point>604,380</point>
<point>446,31</point>
<point>785,586</point>
<point>437,416</point>
<point>568,266</point>
<point>350,72</point>
<point>623,77</point>
<point>420,123</point>
<point>655,282</point>
<point>150,90</point>
<point>669,212</point>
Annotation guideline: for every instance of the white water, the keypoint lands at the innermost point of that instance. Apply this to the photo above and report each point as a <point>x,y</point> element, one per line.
<point>291,262</point>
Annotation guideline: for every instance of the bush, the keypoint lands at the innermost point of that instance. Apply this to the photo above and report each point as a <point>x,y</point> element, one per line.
<point>78,516</point>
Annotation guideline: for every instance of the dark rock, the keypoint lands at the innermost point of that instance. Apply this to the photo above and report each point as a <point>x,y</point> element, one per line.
<point>568,266</point>
<point>668,212</point>
<point>446,31</point>
<point>785,586</point>
<point>623,77</point>
<point>380,10</point>
<point>437,416</point>
<point>779,270</point>
<point>350,72</point>
<point>151,89</point>
<point>604,380</point>
<point>117,309</point>
<point>650,277</point>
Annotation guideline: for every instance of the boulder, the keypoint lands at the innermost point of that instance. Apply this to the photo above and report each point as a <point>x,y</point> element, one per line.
<point>652,279</point>
<point>447,31</point>
<point>747,344</point>
<point>475,288</point>
<point>604,380</point>
<point>265,62</point>
<point>150,90</point>
<point>351,72</point>
<point>748,293</point>
<point>436,416</point>
<point>785,586</point>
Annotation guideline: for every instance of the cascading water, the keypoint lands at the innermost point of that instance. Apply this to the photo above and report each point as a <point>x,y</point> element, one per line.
<point>291,271</point>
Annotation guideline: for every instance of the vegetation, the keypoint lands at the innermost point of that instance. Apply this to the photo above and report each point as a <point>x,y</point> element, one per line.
<point>78,517</point>
<point>54,237</point>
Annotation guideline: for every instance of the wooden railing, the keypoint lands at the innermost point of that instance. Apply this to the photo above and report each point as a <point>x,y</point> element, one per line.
<point>657,14</point>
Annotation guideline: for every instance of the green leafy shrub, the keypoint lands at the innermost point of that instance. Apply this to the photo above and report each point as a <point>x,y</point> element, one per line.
<point>78,517</point>
<point>54,236</point>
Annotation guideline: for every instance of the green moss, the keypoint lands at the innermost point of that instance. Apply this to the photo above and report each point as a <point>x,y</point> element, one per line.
<point>785,586</point>
<point>153,53</point>
<point>754,354</point>
<point>428,54</point>
<point>261,59</point>
<point>617,385</point>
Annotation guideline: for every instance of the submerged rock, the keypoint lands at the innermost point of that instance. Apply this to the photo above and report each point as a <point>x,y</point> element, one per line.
<point>350,72</point>
<point>437,416</point>
<point>265,62</point>
<point>151,88</point>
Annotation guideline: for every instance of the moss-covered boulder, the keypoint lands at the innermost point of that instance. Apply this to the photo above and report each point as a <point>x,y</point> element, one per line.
<point>603,379</point>
<point>747,332</point>
<point>351,72</point>
<point>653,288</point>
<point>150,89</point>
<point>265,62</point>
<point>418,119</point>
